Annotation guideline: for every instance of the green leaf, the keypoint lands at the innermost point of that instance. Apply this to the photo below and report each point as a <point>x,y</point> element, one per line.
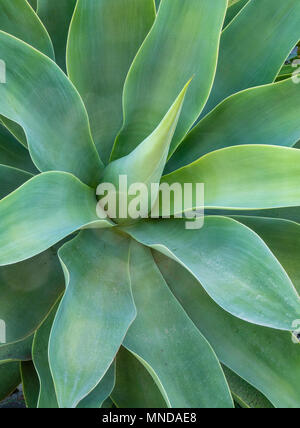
<point>35,284</point>
<point>16,130</point>
<point>244,394</point>
<point>33,4</point>
<point>16,351</point>
<point>232,182</point>
<point>233,10</point>
<point>13,154</point>
<point>99,395</point>
<point>291,213</point>
<point>145,164</point>
<point>94,314</point>
<point>163,338</point>
<point>56,16</point>
<point>40,98</point>
<point>9,379</point>
<point>11,179</point>
<point>99,68</point>
<point>18,19</point>
<point>157,3</point>
<point>31,385</point>
<point>254,47</point>
<point>43,211</point>
<point>135,387</point>
<point>266,358</point>
<point>264,115</point>
<point>176,48</point>
<point>47,396</point>
<point>232,263</point>
<point>283,239</point>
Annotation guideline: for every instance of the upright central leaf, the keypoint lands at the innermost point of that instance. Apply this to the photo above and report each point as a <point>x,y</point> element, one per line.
<point>104,38</point>
<point>176,48</point>
<point>142,167</point>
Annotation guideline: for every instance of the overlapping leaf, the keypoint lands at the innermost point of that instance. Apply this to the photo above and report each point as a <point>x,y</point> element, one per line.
<point>266,358</point>
<point>175,49</point>
<point>104,39</point>
<point>232,263</point>
<point>98,292</point>
<point>43,211</point>
<point>40,98</point>
<point>173,341</point>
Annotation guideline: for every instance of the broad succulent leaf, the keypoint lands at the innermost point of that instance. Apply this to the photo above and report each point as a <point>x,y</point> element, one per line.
<point>159,313</point>
<point>99,69</point>
<point>16,351</point>
<point>30,383</point>
<point>266,358</point>
<point>232,181</point>
<point>135,386</point>
<point>11,179</point>
<point>244,394</point>
<point>246,58</point>
<point>102,311</point>
<point>18,19</point>
<point>283,239</point>
<point>96,399</point>
<point>13,154</point>
<point>35,284</point>
<point>31,222</point>
<point>42,100</point>
<point>264,115</point>
<point>98,291</point>
<point>56,16</point>
<point>145,164</point>
<point>175,49</point>
<point>232,263</point>
<point>233,9</point>
<point>10,378</point>
<point>47,396</point>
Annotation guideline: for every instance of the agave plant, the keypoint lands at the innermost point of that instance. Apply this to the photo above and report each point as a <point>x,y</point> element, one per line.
<point>148,313</point>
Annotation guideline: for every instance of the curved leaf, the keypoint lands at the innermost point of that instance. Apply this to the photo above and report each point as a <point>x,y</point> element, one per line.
<point>93,316</point>
<point>18,19</point>
<point>100,394</point>
<point>266,358</point>
<point>134,386</point>
<point>176,48</point>
<point>13,154</point>
<point>43,101</point>
<point>99,68</point>
<point>244,394</point>
<point>232,263</point>
<point>16,351</point>
<point>233,178</point>
<point>283,239</point>
<point>173,340</point>
<point>233,10</point>
<point>254,47</point>
<point>30,383</point>
<point>28,290</point>
<point>47,396</point>
<point>11,179</point>
<point>145,164</point>
<point>264,115</point>
<point>43,211</point>
<point>56,16</point>
<point>10,378</point>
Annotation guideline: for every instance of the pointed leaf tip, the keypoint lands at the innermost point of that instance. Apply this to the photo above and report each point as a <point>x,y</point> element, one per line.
<point>144,165</point>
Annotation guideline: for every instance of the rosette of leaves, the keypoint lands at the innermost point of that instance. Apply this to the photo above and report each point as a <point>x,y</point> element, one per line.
<point>149,314</point>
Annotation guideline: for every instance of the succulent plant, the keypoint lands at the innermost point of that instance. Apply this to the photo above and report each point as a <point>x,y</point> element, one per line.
<point>111,311</point>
